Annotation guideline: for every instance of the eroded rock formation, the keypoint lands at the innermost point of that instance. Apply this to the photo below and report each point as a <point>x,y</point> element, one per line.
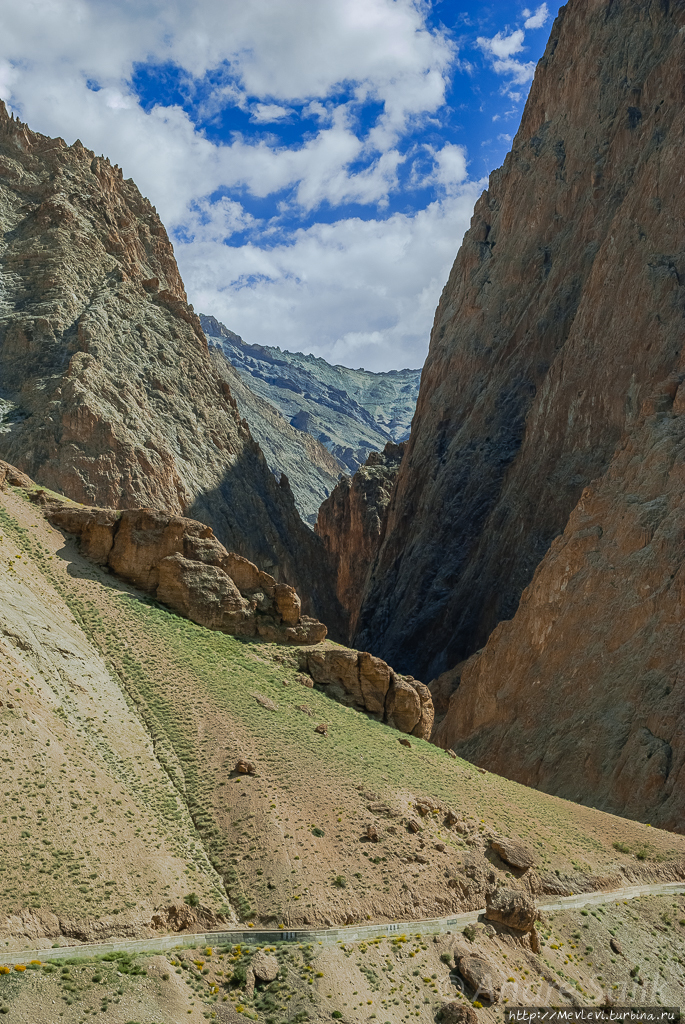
<point>563,310</point>
<point>351,523</point>
<point>110,395</point>
<point>182,564</point>
<point>359,680</point>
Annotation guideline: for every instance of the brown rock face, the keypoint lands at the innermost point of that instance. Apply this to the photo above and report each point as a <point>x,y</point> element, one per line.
<point>183,565</point>
<point>512,908</point>
<point>581,694</point>
<point>351,523</point>
<point>358,679</point>
<point>110,394</point>
<point>563,311</point>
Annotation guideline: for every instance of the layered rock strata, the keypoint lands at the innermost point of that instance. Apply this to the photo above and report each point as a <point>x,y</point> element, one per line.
<point>182,564</point>
<point>351,412</point>
<point>109,393</point>
<point>351,523</point>
<point>563,311</point>
<point>360,680</point>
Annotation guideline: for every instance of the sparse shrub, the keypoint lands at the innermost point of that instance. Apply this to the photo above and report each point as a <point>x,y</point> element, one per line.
<point>239,976</point>
<point>192,899</point>
<point>470,932</point>
<point>477,1004</point>
<point>446,958</point>
<point>340,882</point>
<point>336,1014</point>
<point>318,832</point>
<point>622,847</point>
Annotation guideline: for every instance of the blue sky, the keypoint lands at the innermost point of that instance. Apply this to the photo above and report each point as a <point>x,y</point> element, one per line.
<point>315,161</point>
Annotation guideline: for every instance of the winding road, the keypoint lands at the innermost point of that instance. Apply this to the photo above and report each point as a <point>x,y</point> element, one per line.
<point>351,933</point>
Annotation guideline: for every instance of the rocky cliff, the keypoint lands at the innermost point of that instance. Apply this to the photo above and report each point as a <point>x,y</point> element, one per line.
<point>351,412</point>
<point>109,391</point>
<point>351,523</point>
<point>563,311</point>
<point>582,692</point>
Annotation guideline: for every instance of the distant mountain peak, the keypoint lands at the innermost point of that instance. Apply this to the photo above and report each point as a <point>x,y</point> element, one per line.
<point>351,412</point>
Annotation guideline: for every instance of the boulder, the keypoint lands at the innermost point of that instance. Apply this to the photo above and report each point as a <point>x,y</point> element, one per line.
<point>13,476</point>
<point>265,966</point>
<point>424,726</point>
<point>513,852</point>
<point>244,767</point>
<point>370,684</point>
<point>457,1013</point>
<point>287,604</point>
<point>482,976</point>
<point>205,595</point>
<point>512,908</point>
<point>336,668</point>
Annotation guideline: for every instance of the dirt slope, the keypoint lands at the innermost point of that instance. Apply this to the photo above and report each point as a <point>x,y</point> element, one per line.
<point>168,707</point>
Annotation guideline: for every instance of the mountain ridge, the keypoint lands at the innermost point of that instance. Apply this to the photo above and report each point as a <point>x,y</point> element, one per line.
<point>351,412</point>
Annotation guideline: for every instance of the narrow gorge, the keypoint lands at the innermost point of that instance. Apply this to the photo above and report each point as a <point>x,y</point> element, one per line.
<point>545,458</point>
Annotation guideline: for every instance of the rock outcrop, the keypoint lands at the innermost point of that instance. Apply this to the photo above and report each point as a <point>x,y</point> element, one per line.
<point>512,908</point>
<point>360,680</point>
<point>562,313</point>
<point>182,564</point>
<point>351,523</point>
<point>110,394</point>
<point>480,974</point>
<point>513,853</point>
<point>351,412</point>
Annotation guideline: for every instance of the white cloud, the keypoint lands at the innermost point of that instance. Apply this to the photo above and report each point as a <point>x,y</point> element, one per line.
<point>265,113</point>
<point>500,49</point>
<point>379,280</point>
<point>273,52</point>
<point>518,72</point>
<point>449,170</point>
<point>501,45</point>
<point>538,19</point>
